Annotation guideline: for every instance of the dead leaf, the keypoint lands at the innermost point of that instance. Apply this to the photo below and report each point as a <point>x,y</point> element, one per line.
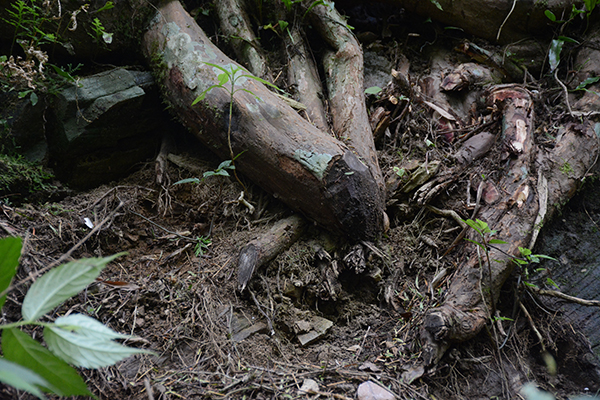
<point>371,391</point>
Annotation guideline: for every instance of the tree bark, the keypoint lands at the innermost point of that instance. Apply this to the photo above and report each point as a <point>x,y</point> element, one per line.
<point>494,20</point>
<point>532,192</point>
<point>283,153</point>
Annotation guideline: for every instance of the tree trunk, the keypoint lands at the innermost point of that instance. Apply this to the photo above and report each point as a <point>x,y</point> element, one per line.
<point>287,156</point>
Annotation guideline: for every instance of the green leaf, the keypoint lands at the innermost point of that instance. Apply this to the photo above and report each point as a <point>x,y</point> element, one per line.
<point>33,98</point>
<point>256,78</point>
<point>373,90</point>
<point>546,257</point>
<point>497,241</point>
<point>477,243</point>
<point>223,78</point>
<point>22,378</point>
<point>22,349</point>
<point>554,54</point>
<point>86,344</point>
<point>10,251</point>
<point>62,72</point>
<point>215,173</point>
<point>525,252</point>
<point>551,283</point>
<point>283,25</point>
<point>589,81</point>
<point>437,4</point>
<point>187,180</point>
<point>107,6</point>
<point>550,15</point>
<point>225,165</point>
<point>567,39</point>
<point>60,283</point>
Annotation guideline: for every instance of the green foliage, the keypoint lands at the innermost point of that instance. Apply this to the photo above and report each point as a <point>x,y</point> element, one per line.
<point>10,249</point>
<point>230,76</point>
<point>29,20</point>
<point>437,4</point>
<point>74,339</point>
<point>100,35</point>
<point>202,244</point>
<point>373,90</point>
<point>20,175</point>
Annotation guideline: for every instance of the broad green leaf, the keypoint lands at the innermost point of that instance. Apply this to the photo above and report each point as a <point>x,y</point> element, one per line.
<point>373,90</point>
<point>223,78</point>
<point>88,327</point>
<point>85,348</point>
<point>22,349</point>
<point>221,172</point>
<point>225,165</point>
<point>589,81</point>
<point>188,180</point>
<point>60,283</point>
<point>550,15</point>
<point>524,251</point>
<point>497,241</point>
<point>283,25</point>
<point>10,251</point>
<point>22,378</point>
<point>554,54</point>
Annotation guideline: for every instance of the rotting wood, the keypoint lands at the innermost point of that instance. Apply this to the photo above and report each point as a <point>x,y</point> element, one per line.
<point>266,247</point>
<point>287,156</point>
<point>475,288</point>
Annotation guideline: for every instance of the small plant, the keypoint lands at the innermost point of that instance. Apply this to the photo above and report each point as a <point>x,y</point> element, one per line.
<point>74,339</point>
<point>100,35</point>
<point>230,76</point>
<point>202,244</point>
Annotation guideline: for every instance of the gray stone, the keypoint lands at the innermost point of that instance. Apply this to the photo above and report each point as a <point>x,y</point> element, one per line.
<point>104,125</point>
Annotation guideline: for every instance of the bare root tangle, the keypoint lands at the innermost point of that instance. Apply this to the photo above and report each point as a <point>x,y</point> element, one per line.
<point>283,153</point>
<point>514,217</point>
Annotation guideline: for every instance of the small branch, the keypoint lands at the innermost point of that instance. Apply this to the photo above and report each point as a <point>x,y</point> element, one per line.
<point>566,91</point>
<point>560,295</point>
<point>537,333</point>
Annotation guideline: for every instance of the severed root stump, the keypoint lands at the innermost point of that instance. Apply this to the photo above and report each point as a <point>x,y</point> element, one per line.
<point>281,152</point>
<point>531,194</point>
<point>263,249</point>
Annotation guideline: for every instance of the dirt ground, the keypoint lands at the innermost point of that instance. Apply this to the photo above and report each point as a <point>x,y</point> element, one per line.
<point>176,289</point>
<point>183,303</point>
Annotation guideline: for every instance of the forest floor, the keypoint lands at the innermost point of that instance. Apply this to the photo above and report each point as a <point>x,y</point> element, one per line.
<point>176,290</point>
